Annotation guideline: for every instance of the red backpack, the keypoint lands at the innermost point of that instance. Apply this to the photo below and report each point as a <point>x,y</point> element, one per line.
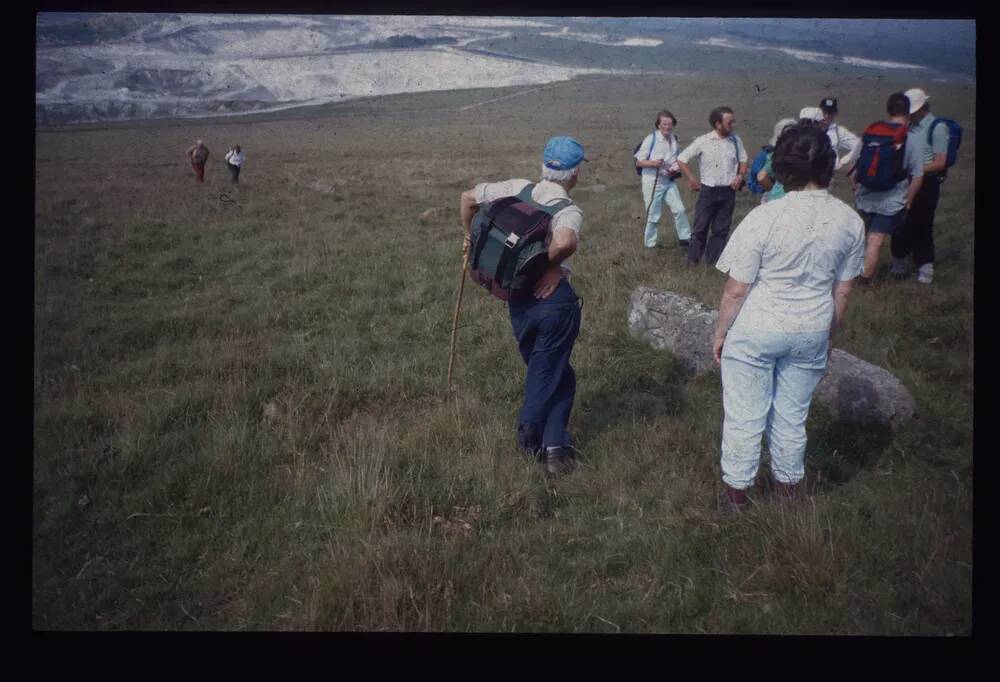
<point>883,148</point>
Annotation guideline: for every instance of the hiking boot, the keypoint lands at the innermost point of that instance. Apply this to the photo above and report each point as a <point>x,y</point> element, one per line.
<point>899,268</point>
<point>925,275</point>
<point>733,501</point>
<point>529,441</point>
<point>683,243</point>
<point>559,460</point>
<point>786,491</point>
<point>865,282</point>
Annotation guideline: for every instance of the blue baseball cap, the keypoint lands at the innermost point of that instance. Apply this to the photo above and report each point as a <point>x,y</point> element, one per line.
<point>562,153</point>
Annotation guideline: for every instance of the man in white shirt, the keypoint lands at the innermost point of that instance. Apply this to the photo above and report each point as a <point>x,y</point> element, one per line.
<point>722,166</point>
<point>846,145</point>
<point>546,321</point>
<point>657,157</point>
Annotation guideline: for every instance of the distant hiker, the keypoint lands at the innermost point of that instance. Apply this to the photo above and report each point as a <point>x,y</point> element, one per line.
<point>723,168</point>
<point>234,161</point>
<point>657,159</point>
<point>846,145</point>
<point>198,153</point>
<point>790,266</point>
<point>771,189</point>
<point>941,139</point>
<point>545,319</point>
<point>887,177</point>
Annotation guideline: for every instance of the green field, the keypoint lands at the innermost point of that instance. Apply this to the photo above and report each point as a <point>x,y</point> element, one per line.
<point>240,414</point>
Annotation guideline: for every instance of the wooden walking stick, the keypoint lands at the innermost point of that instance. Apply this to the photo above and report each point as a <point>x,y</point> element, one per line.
<point>458,306</point>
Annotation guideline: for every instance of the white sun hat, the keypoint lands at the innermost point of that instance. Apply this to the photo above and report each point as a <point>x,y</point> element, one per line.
<point>917,97</point>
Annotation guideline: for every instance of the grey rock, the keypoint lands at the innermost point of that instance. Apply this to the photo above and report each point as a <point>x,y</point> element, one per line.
<point>852,390</point>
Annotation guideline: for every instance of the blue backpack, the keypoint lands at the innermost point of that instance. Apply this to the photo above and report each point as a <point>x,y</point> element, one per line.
<point>954,138</point>
<point>883,149</point>
<point>758,164</point>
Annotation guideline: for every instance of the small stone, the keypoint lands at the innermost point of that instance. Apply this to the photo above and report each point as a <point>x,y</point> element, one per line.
<point>83,501</point>
<point>271,411</point>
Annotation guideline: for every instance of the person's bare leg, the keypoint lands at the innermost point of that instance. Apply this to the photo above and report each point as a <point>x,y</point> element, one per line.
<point>873,247</point>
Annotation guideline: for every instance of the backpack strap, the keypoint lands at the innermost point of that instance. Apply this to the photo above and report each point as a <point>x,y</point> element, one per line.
<point>525,196</point>
<point>930,130</point>
<point>736,147</point>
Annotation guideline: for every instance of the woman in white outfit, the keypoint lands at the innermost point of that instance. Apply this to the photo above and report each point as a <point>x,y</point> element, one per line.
<point>234,161</point>
<point>790,266</point>
<point>657,157</point>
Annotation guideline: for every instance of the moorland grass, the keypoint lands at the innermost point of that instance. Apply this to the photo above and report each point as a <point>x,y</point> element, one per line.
<point>241,420</point>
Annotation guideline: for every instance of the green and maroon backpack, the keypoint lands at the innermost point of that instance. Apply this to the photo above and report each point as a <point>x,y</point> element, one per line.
<point>508,243</point>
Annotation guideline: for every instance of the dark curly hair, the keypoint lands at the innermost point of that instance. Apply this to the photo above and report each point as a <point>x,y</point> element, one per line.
<point>802,155</point>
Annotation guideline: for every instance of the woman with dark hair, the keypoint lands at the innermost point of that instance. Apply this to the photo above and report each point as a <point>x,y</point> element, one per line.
<point>790,266</point>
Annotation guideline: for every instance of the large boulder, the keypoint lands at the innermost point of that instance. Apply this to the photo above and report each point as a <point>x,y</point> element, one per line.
<point>853,390</point>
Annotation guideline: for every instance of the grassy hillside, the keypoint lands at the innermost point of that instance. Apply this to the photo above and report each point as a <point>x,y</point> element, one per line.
<point>241,419</point>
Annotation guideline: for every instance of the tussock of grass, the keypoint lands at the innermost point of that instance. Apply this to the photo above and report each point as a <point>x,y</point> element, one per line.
<point>241,420</point>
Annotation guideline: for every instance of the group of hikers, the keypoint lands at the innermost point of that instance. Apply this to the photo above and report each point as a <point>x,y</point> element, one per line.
<point>198,154</point>
<point>791,262</point>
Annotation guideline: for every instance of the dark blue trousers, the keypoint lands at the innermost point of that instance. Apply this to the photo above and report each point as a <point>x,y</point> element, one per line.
<point>713,215</point>
<point>546,330</point>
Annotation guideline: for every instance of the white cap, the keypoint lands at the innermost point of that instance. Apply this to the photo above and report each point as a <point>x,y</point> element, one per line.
<point>812,113</point>
<point>917,97</point>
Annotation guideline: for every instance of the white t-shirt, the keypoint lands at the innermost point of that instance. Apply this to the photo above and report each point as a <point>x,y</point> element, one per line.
<point>545,193</point>
<point>663,148</point>
<point>843,142</point>
<point>792,252</point>
<point>719,157</point>
<point>235,158</point>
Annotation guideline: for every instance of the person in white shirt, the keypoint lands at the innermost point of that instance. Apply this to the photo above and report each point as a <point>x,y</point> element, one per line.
<point>657,157</point>
<point>846,145</point>
<point>722,166</point>
<point>791,264</point>
<point>234,161</point>
<point>545,321</point>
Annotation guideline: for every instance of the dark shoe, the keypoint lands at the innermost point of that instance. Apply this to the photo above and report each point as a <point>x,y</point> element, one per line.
<point>734,501</point>
<point>559,461</point>
<point>530,441</point>
<point>692,263</point>
<point>786,491</point>
<point>865,282</point>
<point>683,243</point>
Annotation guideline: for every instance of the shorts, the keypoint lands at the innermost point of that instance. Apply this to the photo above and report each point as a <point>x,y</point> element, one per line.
<point>883,224</point>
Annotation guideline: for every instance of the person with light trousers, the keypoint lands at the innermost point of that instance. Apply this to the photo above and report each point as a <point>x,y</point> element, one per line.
<point>791,264</point>
<point>657,157</point>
